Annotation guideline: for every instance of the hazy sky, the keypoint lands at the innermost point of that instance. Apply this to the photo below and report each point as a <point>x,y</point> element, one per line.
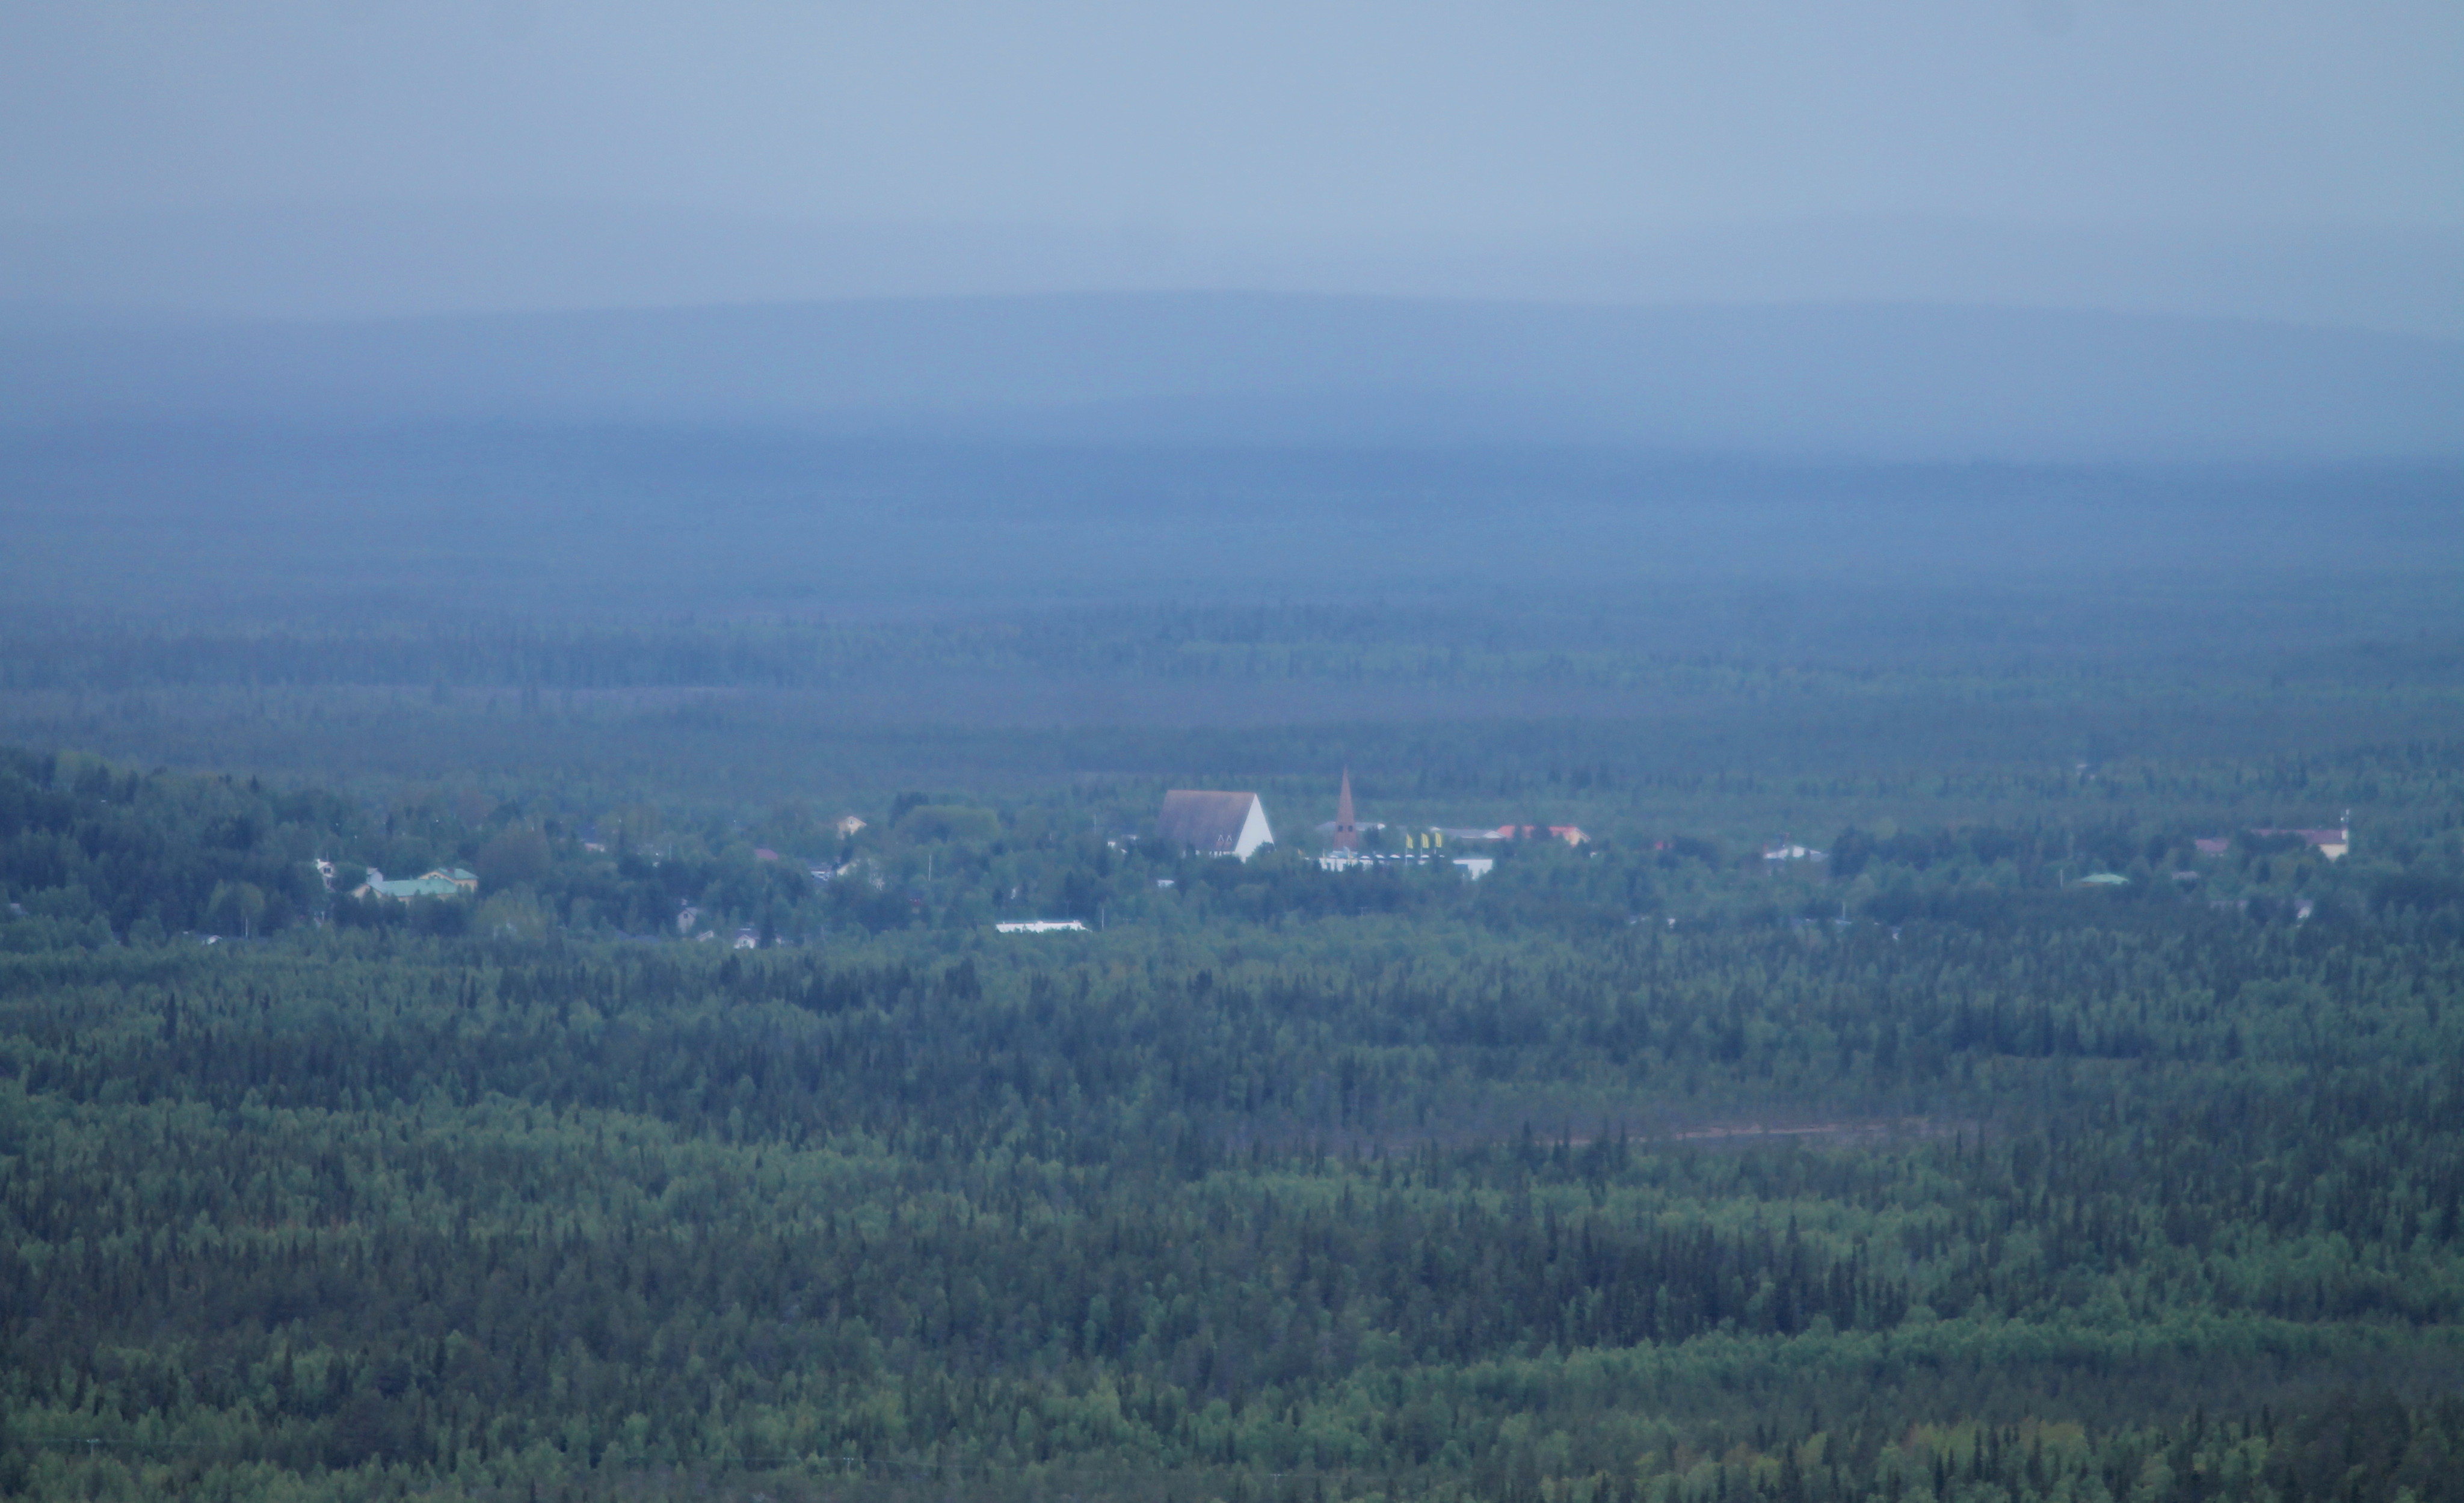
<point>1271,131</point>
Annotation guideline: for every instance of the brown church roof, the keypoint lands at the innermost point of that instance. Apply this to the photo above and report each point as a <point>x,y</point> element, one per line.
<point>1205,820</point>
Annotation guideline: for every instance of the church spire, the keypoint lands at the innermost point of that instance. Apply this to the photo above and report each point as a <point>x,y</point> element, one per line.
<point>1346,833</point>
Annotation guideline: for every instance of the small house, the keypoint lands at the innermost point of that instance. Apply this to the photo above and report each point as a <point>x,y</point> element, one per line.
<point>2332,844</point>
<point>1571,834</point>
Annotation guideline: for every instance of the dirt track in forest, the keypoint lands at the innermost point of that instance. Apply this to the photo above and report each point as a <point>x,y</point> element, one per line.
<point>1842,1132</point>
<point>1835,1132</point>
<point>1855,1130</point>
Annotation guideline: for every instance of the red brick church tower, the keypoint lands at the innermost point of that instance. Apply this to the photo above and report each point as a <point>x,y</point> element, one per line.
<point>1347,833</point>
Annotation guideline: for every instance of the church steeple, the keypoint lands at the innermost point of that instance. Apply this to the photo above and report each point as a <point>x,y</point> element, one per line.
<point>1346,833</point>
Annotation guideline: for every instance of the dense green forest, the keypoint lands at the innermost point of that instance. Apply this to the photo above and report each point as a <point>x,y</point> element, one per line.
<point>600,615</point>
<point>1642,1169</point>
<point>2067,1129</point>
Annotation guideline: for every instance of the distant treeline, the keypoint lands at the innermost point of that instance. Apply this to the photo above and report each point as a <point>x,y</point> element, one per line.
<point>1680,641</point>
<point>1688,711</point>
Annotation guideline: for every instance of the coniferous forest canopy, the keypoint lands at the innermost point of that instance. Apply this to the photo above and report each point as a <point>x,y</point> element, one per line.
<point>1946,1070</point>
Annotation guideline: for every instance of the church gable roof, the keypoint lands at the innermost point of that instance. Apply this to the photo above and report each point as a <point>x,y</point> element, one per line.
<point>1204,820</point>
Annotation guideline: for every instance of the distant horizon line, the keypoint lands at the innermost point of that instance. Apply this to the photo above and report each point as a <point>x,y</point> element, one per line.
<point>170,316</point>
<point>322,260</point>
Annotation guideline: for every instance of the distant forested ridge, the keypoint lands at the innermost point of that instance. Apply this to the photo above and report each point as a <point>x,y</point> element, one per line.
<point>1267,368</point>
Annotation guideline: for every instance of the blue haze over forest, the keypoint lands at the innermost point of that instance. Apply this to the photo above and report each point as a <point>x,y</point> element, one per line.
<point>1849,618</point>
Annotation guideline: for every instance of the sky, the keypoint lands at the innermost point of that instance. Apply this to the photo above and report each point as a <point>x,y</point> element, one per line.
<point>2274,158</point>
